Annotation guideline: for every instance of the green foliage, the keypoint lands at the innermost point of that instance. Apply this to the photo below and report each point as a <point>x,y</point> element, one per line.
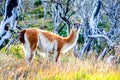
<point>63,33</point>
<point>65,59</point>
<point>32,25</point>
<point>98,47</point>
<point>40,15</point>
<point>37,2</point>
<point>13,50</point>
<point>82,75</point>
<point>36,11</point>
<point>16,52</point>
<point>80,39</point>
<point>20,18</point>
<point>103,25</point>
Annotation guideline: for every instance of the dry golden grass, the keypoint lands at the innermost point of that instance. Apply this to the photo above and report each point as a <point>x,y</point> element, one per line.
<point>69,68</point>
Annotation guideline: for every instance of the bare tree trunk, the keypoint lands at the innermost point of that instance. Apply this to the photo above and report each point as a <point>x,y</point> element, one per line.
<point>59,11</point>
<point>9,22</point>
<point>55,16</point>
<point>91,31</point>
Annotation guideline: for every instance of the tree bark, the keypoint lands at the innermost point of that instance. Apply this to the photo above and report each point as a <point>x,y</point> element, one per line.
<point>9,22</point>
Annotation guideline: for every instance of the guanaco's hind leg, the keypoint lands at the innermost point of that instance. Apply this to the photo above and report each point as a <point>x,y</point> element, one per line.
<point>31,41</point>
<point>29,53</point>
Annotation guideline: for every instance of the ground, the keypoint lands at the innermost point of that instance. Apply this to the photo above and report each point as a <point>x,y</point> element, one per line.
<point>68,68</point>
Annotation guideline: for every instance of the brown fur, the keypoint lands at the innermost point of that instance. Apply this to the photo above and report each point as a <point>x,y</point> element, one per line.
<point>61,40</point>
<point>32,36</point>
<point>50,36</point>
<point>70,37</point>
<point>21,36</point>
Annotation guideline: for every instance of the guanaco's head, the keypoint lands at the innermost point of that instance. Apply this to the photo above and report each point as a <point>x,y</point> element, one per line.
<point>76,27</point>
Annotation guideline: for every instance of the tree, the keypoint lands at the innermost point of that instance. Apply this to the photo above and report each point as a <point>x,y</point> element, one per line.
<point>9,22</point>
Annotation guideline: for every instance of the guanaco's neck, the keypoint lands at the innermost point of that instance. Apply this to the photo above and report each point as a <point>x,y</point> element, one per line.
<point>70,41</point>
<point>72,38</point>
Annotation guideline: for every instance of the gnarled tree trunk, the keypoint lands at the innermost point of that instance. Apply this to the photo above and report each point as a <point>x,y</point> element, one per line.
<point>9,22</point>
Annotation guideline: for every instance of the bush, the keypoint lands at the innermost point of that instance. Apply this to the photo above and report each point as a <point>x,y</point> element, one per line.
<point>37,3</point>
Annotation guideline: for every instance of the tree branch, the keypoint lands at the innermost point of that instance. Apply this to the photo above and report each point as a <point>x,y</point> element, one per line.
<point>98,36</point>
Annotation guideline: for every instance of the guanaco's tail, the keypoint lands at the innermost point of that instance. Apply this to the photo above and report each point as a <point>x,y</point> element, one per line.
<point>21,36</point>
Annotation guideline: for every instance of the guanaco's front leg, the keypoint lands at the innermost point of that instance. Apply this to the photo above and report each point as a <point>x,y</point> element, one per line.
<point>56,56</point>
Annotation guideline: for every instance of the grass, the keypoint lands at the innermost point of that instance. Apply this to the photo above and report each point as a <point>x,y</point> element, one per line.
<point>69,68</point>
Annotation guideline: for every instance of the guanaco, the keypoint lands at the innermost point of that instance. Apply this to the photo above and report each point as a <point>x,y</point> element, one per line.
<point>34,39</point>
